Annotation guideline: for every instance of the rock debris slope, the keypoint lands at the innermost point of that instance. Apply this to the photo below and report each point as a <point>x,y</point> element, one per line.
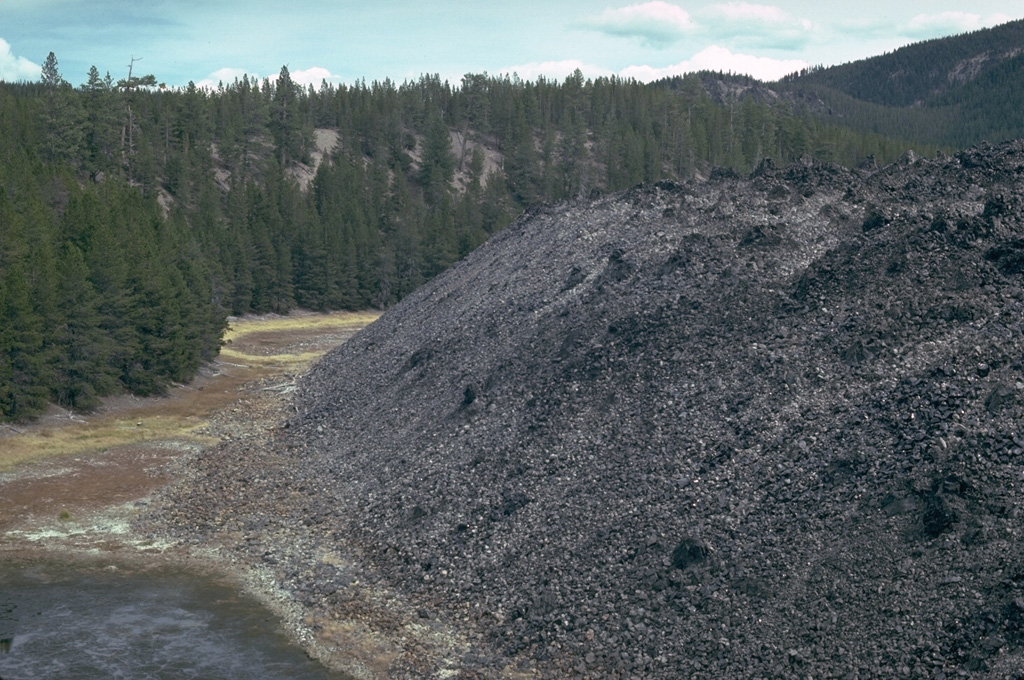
<point>759,427</point>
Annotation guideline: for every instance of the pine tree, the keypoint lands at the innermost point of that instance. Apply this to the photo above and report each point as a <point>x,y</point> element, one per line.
<point>82,370</point>
<point>137,165</point>
<point>285,123</point>
<point>438,164</point>
<point>23,370</point>
<point>573,157</point>
<point>62,117</point>
<point>102,125</point>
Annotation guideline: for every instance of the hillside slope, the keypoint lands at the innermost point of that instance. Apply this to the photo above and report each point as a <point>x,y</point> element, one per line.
<point>926,71</point>
<point>955,91</point>
<point>762,427</point>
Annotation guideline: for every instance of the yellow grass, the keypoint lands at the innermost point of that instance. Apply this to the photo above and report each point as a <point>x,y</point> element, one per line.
<point>250,353</point>
<point>270,360</point>
<point>240,327</point>
<point>48,441</point>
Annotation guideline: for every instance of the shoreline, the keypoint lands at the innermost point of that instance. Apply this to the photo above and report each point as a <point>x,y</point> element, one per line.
<point>93,506</point>
<point>329,600</point>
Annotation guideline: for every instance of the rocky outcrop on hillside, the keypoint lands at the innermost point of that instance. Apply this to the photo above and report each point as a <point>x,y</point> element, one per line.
<point>758,427</point>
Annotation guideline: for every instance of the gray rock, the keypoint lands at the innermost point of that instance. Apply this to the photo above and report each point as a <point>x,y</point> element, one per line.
<point>689,414</point>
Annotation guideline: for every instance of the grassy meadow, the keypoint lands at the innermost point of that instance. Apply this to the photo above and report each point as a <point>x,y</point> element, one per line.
<point>254,348</point>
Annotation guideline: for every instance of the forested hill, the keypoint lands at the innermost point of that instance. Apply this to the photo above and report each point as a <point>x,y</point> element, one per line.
<point>135,218</point>
<point>952,91</point>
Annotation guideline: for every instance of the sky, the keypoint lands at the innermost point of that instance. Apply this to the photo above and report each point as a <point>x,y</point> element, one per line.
<point>344,41</point>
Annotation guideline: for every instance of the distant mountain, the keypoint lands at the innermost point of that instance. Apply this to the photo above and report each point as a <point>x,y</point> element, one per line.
<point>924,73</point>
<point>952,91</point>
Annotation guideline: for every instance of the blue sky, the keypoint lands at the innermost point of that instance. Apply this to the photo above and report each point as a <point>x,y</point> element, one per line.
<point>205,41</point>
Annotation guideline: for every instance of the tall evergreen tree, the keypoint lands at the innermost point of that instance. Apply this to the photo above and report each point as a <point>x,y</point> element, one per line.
<point>82,370</point>
<point>23,368</point>
<point>62,118</point>
<point>285,123</point>
<point>438,164</point>
<point>102,124</point>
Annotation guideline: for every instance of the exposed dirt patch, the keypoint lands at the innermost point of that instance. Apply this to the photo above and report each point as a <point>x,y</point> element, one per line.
<point>65,478</point>
<point>85,483</point>
<point>325,142</point>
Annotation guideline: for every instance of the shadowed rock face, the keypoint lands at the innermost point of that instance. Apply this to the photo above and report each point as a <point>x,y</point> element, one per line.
<point>748,427</point>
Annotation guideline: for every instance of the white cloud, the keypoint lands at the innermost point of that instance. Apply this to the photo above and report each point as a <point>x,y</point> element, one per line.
<point>314,76</point>
<point>657,24</point>
<point>227,76</point>
<point>754,25</point>
<point>14,69</point>
<point>310,76</point>
<point>557,70</point>
<point>945,23</point>
<point>717,58</point>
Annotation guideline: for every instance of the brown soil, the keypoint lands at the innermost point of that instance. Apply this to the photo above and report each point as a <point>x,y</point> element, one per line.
<point>72,481</point>
<point>83,484</point>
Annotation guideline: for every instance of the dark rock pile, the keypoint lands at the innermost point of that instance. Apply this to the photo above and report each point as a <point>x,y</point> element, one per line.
<point>767,427</point>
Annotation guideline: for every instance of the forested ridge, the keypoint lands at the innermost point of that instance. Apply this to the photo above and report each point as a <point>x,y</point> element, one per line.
<point>954,91</point>
<point>135,218</point>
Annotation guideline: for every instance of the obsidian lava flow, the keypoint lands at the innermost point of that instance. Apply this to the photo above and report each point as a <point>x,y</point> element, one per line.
<point>748,427</point>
